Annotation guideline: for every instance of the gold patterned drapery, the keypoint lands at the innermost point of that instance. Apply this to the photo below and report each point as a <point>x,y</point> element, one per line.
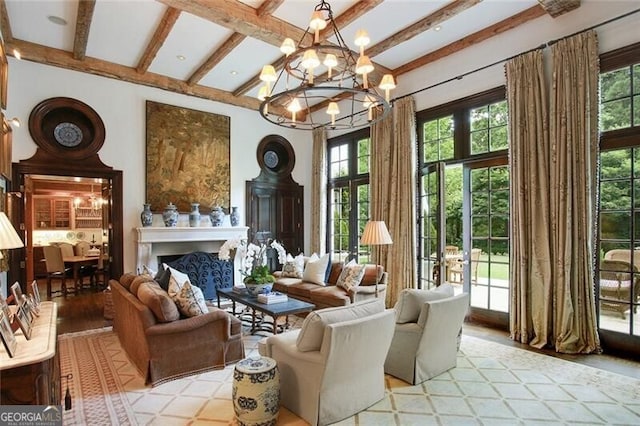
<point>319,192</point>
<point>574,154</point>
<point>553,189</point>
<point>392,183</point>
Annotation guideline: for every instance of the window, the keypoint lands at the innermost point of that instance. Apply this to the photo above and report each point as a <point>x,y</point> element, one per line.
<point>618,273</point>
<point>348,204</point>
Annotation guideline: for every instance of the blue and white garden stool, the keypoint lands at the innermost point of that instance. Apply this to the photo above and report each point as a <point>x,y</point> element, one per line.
<point>256,391</point>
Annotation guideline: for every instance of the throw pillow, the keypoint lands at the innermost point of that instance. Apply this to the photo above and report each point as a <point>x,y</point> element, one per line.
<point>316,269</point>
<point>351,275</point>
<point>312,332</point>
<point>293,267</point>
<point>162,277</point>
<point>158,300</point>
<point>139,279</point>
<point>127,279</point>
<point>188,298</point>
<point>410,301</point>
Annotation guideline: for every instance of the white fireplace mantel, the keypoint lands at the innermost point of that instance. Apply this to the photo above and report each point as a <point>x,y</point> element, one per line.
<point>155,241</point>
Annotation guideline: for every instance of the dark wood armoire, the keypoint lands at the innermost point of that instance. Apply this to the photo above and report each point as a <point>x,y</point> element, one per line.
<point>275,202</point>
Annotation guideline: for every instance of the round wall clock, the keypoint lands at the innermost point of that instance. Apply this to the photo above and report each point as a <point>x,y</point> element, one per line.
<point>66,128</point>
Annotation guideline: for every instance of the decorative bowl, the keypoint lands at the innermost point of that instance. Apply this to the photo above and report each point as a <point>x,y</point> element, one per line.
<point>256,289</point>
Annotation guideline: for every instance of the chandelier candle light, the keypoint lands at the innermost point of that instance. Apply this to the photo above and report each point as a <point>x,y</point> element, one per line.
<point>322,75</point>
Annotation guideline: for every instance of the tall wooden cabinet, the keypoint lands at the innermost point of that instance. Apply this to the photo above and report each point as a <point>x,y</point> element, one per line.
<point>275,201</point>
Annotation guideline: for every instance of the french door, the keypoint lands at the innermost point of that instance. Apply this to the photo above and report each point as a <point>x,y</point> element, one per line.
<point>464,233</point>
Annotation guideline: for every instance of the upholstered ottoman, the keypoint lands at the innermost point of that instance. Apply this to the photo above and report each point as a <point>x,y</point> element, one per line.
<point>256,391</point>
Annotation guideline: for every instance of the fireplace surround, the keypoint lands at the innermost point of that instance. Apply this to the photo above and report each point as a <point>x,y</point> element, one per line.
<point>152,242</point>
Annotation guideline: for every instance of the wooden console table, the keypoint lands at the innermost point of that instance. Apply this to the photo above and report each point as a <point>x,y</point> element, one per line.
<point>32,377</point>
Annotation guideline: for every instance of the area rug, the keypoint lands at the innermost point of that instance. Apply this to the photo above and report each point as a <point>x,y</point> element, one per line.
<point>492,384</point>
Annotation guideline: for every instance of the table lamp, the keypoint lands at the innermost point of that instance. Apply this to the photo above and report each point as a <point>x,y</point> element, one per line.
<point>9,238</point>
<point>376,234</point>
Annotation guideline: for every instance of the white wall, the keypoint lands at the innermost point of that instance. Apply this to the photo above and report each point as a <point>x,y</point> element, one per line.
<point>122,108</point>
<point>526,37</point>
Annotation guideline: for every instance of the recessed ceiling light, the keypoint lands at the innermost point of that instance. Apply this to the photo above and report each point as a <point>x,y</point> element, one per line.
<point>57,20</point>
<point>181,57</point>
<point>437,28</point>
<point>234,72</point>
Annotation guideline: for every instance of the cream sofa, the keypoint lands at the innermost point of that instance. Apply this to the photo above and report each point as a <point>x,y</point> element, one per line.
<point>332,367</point>
<point>330,295</point>
<point>427,330</point>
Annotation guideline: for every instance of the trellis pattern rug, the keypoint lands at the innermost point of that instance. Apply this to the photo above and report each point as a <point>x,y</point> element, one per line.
<point>492,384</point>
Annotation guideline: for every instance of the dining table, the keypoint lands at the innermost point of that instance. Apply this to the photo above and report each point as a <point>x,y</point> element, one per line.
<point>76,262</point>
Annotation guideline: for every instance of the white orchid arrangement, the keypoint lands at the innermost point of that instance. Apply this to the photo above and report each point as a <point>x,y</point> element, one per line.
<point>254,258</point>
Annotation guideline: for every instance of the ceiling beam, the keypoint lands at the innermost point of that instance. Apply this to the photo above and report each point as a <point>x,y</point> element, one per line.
<point>240,18</point>
<point>556,8</point>
<point>7,34</point>
<point>63,59</point>
<point>162,32</point>
<point>218,55</point>
<point>83,26</point>
<point>439,16</point>
<point>268,7</point>
<point>507,24</point>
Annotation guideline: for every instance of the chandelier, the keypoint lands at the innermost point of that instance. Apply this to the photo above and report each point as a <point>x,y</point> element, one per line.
<point>324,76</point>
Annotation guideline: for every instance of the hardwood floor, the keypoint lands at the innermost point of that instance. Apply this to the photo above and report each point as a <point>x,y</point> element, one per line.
<point>85,311</point>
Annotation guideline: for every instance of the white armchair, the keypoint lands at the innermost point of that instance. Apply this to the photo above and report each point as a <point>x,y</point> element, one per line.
<point>332,368</point>
<point>425,341</point>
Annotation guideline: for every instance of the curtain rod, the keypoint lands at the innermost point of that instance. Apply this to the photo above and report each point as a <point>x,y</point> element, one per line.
<point>542,46</point>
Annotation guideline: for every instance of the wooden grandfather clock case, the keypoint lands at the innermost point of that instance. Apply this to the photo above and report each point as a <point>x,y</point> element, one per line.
<point>275,200</point>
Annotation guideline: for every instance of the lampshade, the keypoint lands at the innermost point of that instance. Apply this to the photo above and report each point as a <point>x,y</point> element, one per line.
<point>9,238</point>
<point>375,234</point>
<point>268,73</point>
<point>288,46</point>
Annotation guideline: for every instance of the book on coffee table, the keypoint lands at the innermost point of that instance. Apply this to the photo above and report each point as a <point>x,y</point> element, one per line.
<point>240,288</point>
<point>274,297</point>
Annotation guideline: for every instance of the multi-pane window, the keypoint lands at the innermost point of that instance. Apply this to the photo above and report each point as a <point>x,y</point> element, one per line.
<point>489,128</point>
<point>620,98</point>
<point>473,130</point>
<point>618,273</point>
<point>349,158</point>
<point>438,139</point>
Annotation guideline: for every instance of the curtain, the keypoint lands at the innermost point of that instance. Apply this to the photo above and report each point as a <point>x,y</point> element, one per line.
<point>553,196</point>
<point>392,183</point>
<point>531,303</point>
<point>319,192</point>
<point>574,151</point>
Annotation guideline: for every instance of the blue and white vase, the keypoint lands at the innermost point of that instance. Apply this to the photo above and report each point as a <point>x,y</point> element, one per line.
<point>170,215</point>
<point>234,217</point>
<point>216,216</point>
<point>194,216</point>
<point>146,217</point>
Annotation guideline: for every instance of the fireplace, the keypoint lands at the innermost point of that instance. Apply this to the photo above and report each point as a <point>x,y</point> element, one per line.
<point>153,242</point>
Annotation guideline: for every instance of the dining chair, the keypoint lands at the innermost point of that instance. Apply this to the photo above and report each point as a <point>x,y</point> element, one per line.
<point>56,269</point>
<point>67,249</point>
<point>82,248</point>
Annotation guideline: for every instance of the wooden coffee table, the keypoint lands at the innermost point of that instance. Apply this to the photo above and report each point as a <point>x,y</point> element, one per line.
<point>274,310</point>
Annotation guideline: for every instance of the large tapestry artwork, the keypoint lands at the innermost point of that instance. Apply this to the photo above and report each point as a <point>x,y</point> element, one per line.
<point>187,158</point>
